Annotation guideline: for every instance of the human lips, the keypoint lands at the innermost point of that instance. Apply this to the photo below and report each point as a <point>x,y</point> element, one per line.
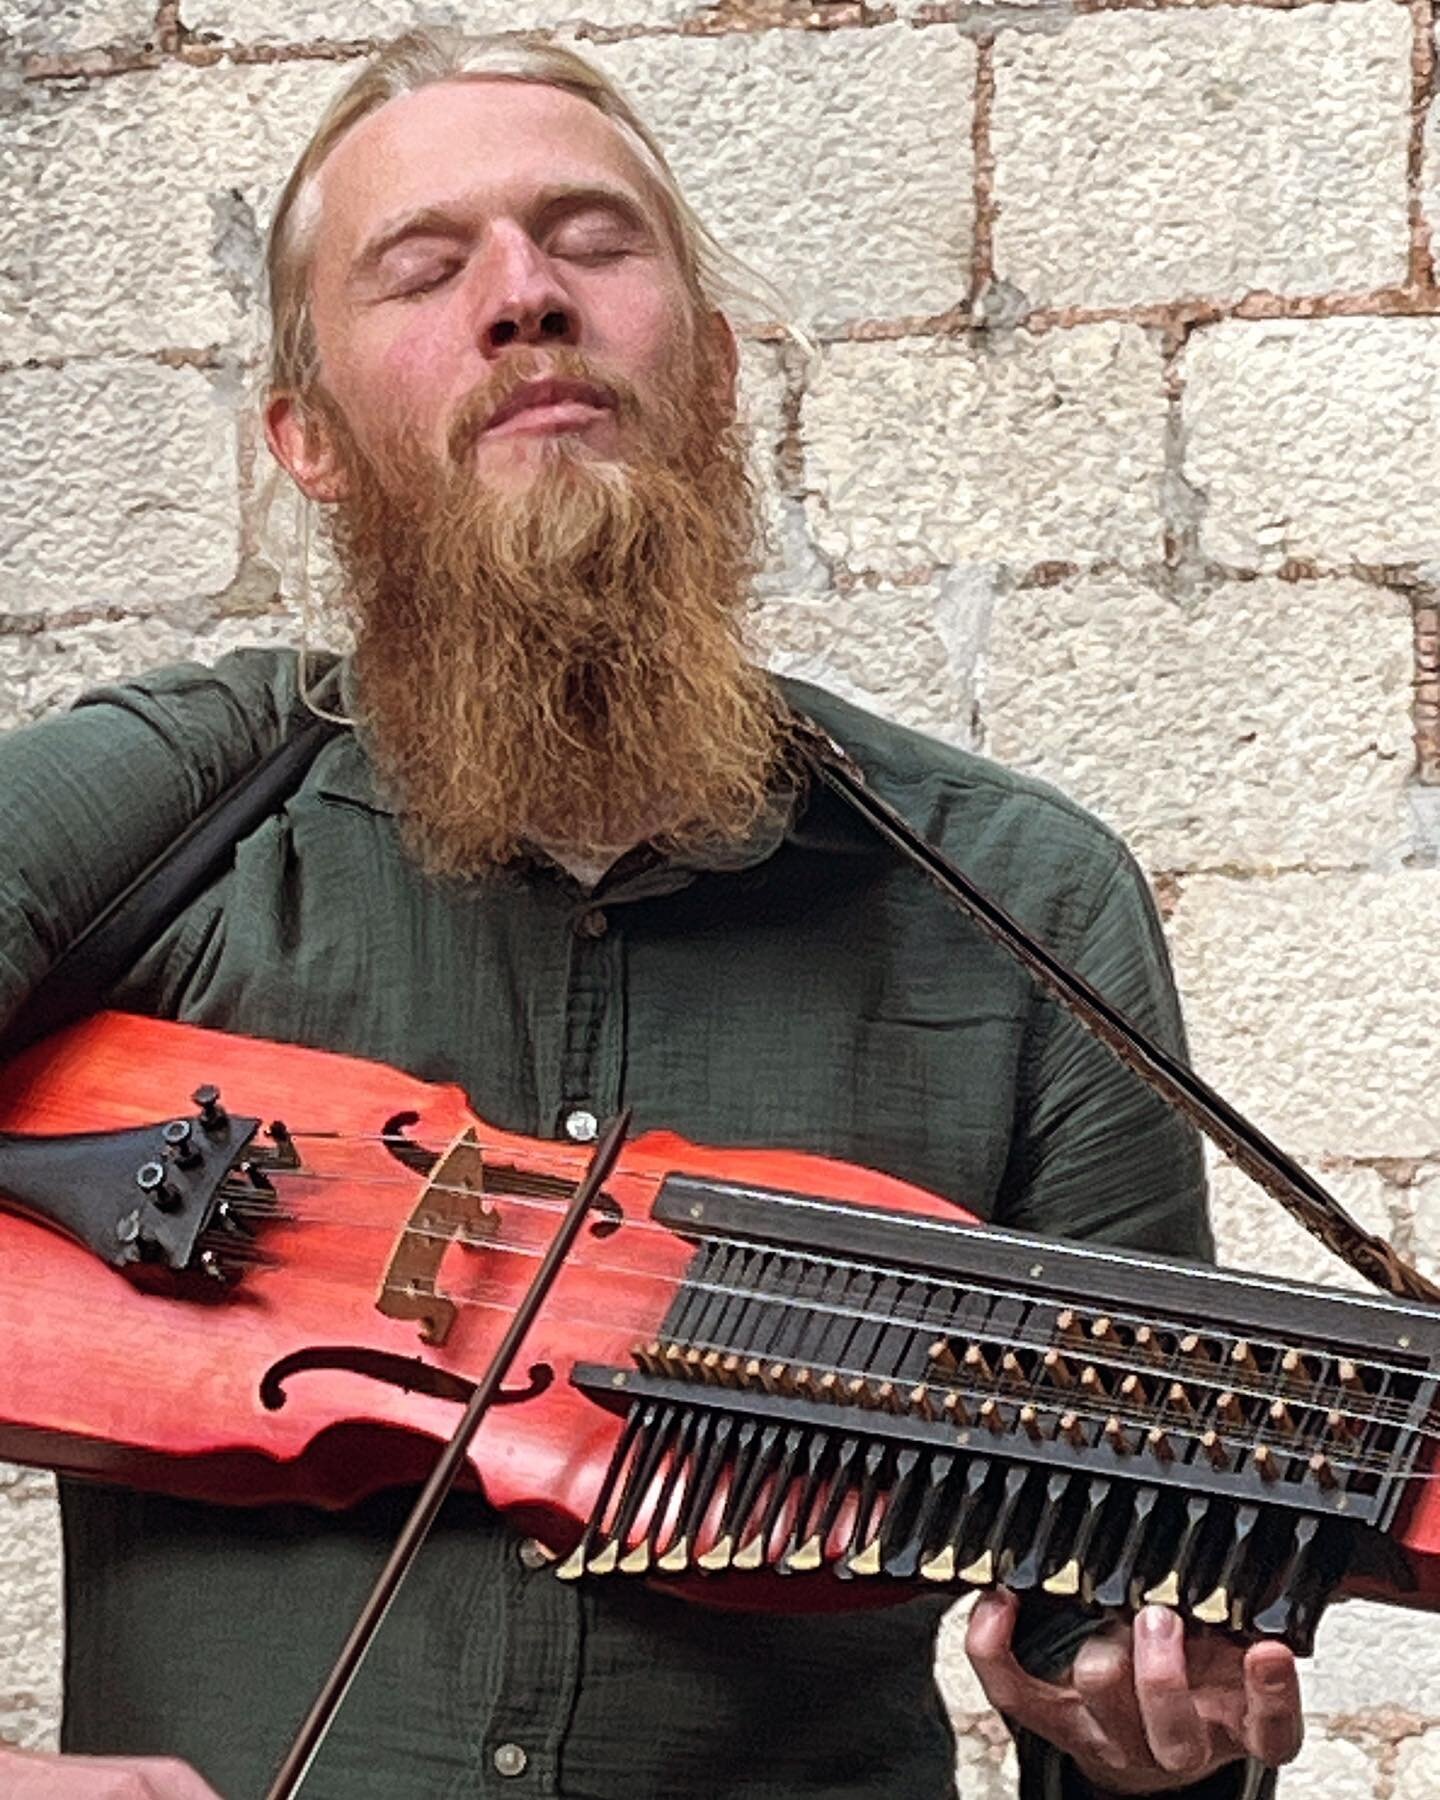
<point>548,406</point>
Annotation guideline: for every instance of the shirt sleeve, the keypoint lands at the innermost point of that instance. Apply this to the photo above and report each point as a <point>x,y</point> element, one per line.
<point>88,798</point>
<point>1099,1156</point>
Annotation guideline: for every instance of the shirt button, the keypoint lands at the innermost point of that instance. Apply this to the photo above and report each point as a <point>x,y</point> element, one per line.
<point>510,1759</point>
<point>534,1555</point>
<point>582,1126</point>
<point>592,924</point>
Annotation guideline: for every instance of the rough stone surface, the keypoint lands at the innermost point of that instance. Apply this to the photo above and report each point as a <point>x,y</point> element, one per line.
<point>1144,158</point>
<point>30,1617</point>
<point>1011,448</point>
<point>1325,467</point>
<point>1358,1650</point>
<point>906,652</point>
<point>132,211</point>
<point>1417,1768</point>
<point>1190,724</point>
<point>117,488</point>
<point>1311,1006</point>
<point>1252,1231</point>
<point>880,221</point>
<point>29,29</point>
<point>315,21</point>
<point>1332,1769</point>
<point>51,669</point>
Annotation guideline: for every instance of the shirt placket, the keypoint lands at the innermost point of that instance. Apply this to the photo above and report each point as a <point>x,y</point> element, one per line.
<point>536,1696</point>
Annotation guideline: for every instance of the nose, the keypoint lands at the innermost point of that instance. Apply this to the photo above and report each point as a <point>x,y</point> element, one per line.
<point>522,301</point>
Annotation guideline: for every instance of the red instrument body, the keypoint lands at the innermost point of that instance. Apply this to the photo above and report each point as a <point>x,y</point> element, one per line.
<point>143,1389</point>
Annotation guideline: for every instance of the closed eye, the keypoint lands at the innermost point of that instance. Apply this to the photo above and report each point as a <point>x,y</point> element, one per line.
<point>426,280</point>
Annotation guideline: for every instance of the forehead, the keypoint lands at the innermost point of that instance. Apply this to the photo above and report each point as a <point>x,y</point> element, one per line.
<point>482,140</point>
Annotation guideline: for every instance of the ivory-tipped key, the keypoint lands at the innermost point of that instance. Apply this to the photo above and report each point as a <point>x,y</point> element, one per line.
<point>940,1567</point>
<point>1115,1435</point>
<point>1147,1343</point>
<point>977,1364</point>
<point>1267,1464</point>
<point>942,1356</point>
<point>1177,1399</point>
<point>991,1416</point>
<point>1067,1324</point>
<point>1191,1349</point>
<point>1070,1430</point>
<point>1214,1609</point>
<point>1243,1357</point>
<point>954,1409</point>
<point>1157,1442</point>
<point>1012,1371</point>
<point>1030,1422</point>
<point>1057,1369</point>
<point>1214,1450</point>
<point>1321,1467</point>
<point>636,1561</point>
<point>1228,1408</point>
<point>1090,1380</point>
<point>1103,1330</point>
<point>1281,1416</point>
<point>1296,1370</point>
<point>1132,1391</point>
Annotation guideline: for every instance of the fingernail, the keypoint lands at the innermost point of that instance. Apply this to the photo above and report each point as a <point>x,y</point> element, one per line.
<point>1158,1624</point>
<point>1273,1677</point>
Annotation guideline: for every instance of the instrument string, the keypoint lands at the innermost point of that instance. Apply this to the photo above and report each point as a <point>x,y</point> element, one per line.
<point>1188,1426</point>
<point>1381,1410</point>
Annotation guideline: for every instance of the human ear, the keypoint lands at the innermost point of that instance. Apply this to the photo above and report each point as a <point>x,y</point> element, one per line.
<point>302,444</point>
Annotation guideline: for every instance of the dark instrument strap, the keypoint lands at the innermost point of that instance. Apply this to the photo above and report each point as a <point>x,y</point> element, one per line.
<point>1280,1176</point>
<point>85,971</point>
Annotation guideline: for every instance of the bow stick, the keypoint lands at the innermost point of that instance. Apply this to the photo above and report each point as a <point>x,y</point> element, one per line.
<point>311,1734</point>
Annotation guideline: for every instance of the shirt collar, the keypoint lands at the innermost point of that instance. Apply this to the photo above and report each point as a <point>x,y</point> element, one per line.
<point>344,773</point>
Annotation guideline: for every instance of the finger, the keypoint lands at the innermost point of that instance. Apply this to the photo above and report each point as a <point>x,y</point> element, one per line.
<point>1178,1736</point>
<point>1104,1676</point>
<point>1009,1689</point>
<point>1274,1722</point>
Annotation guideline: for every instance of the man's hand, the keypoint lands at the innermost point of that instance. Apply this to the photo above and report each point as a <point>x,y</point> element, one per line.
<point>1144,1712</point>
<point>28,1776</point>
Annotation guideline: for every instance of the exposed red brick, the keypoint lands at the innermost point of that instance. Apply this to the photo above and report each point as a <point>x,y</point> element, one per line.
<point>1427,692</point>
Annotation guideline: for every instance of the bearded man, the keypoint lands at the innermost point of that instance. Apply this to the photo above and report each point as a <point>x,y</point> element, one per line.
<point>567,860</point>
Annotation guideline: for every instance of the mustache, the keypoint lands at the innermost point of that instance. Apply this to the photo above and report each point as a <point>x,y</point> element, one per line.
<point>561,364</point>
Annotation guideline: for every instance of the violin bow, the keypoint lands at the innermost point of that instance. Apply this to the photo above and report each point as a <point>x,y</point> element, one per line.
<point>1178,1085</point>
<point>413,1533</point>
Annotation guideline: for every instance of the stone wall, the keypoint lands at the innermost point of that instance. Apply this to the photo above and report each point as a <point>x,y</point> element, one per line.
<point>1115,458</point>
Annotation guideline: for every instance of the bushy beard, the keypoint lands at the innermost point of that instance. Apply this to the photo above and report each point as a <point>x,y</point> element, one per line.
<point>560,661</point>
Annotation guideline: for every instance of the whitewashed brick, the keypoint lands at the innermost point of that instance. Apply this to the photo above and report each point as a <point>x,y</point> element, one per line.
<point>875,216</point>
<point>906,652</point>
<point>117,488</point>
<point>1260,724</point>
<point>1145,157</point>
<point>343,21</point>
<point>39,26</point>
<point>1334,1769</point>
<point>1252,1231</point>
<point>131,211</point>
<point>1304,439</point>
<point>1370,1657</point>
<point>30,1616</point>
<point>1417,1768</point>
<point>42,673</point>
<point>1008,448</point>
<point>1311,1002</point>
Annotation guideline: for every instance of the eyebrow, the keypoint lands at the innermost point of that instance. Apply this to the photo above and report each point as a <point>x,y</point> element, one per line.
<point>444,221</point>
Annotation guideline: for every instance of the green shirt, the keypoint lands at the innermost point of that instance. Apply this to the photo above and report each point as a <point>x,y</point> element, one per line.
<point>807,991</point>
